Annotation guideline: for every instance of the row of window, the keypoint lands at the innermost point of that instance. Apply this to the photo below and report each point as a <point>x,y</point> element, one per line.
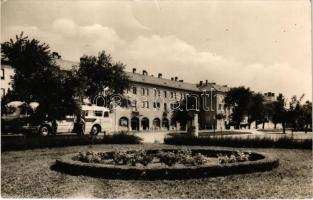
<point>145,104</point>
<point>2,74</point>
<point>157,105</point>
<point>156,93</point>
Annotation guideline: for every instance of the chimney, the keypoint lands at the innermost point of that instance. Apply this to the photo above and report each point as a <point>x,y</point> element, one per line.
<point>159,75</point>
<point>56,55</point>
<point>172,78</point>
<point>206,82</point>
<point>181,81</point>
<point>134,70</point>
<point>144,72</point>
<point>176,78</point>
<point>201,83</point>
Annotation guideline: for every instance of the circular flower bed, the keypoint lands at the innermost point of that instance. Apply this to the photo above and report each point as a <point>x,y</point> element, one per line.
<point>166,163</point>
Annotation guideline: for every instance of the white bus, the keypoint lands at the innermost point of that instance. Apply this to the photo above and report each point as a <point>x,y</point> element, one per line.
<point>97,119</point>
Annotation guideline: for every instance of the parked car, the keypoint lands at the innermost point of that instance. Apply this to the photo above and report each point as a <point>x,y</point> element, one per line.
<point>14,116</point>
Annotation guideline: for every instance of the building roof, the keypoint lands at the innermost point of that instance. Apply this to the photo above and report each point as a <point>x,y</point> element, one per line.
<point>220,88</point>
<point>151,80</point>
<point>163,82</point>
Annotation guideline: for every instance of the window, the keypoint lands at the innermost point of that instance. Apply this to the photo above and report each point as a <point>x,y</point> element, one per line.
<point>173,106</point>
<point>2,74</point>
<point>85,113</point>
<point>175,95</point>
<point>98,113</point>
<point>143,91</point>
<point>220,106</point>
<point>159,93</point>
<point>2,92</point>
<point>134,90</point>
<point>134,103</point>
<point>106,114</point>
<point>155,92</point>
<point>147,91</point>
<point>172,94</point>
<point>145,104</point>
<point>165,94</point>
<point>156,105</point>
<point>165,106</point>
<point>124,121</point>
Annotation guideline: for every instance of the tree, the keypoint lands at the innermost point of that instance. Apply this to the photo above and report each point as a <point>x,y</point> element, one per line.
<point>238,99</point>
<point>306,115</point>
<point>279,111</point>
<point>38,78</point>
<point>100,74</point>
<point>184,110</point>
<point>294,112</point>
<point>255,109</point>
<point>58,92</point>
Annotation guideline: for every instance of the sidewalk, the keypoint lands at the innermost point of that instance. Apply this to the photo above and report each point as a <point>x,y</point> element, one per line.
<point>152,137</point>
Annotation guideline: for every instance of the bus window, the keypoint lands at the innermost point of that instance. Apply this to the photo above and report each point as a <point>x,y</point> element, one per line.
<point>98,113</point>
<point>85,113</point>
<point>106,114</point>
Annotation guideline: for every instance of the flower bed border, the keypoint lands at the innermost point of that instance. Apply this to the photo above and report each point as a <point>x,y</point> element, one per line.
<point>68,165</point>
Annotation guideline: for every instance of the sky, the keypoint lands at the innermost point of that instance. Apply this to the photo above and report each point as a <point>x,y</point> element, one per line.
<point>261,44</point>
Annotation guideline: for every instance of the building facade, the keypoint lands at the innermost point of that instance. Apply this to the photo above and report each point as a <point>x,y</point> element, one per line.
<point>152,100</point>
<point>7,73</point>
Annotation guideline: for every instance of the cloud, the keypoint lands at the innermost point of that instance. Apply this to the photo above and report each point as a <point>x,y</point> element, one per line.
<point>170,55</point>
<point>174,57</point>
<point>70,39</point>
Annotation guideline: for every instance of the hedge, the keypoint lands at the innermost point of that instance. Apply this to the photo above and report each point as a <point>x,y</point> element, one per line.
<point>249,142</point>
<point>33,142</point>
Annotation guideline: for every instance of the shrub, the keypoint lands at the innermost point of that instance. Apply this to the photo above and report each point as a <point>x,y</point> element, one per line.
<point>237,157</point>
<point>89,157</point>
<point>168,158</point>
<point>200,159</point>
<point>131,158</point>
<point>121,138</point>
<point>251,142</point>
<point>33,142</point>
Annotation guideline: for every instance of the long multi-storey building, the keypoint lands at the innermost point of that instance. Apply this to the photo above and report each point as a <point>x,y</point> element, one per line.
<point>152,100</point>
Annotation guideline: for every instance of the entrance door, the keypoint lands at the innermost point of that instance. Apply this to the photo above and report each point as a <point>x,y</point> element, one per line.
<point>165,124</point>
<point>135,123</point>
<point>145,123</point>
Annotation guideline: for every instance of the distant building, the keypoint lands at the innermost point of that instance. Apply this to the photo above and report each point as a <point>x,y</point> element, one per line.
<point>7,73</point>
<point>269,97</point>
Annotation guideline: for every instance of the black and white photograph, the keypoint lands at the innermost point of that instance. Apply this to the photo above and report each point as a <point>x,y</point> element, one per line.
<point>156,99</point>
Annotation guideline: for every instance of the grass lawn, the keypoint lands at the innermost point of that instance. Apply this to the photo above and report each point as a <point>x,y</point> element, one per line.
<point>27,174</point>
